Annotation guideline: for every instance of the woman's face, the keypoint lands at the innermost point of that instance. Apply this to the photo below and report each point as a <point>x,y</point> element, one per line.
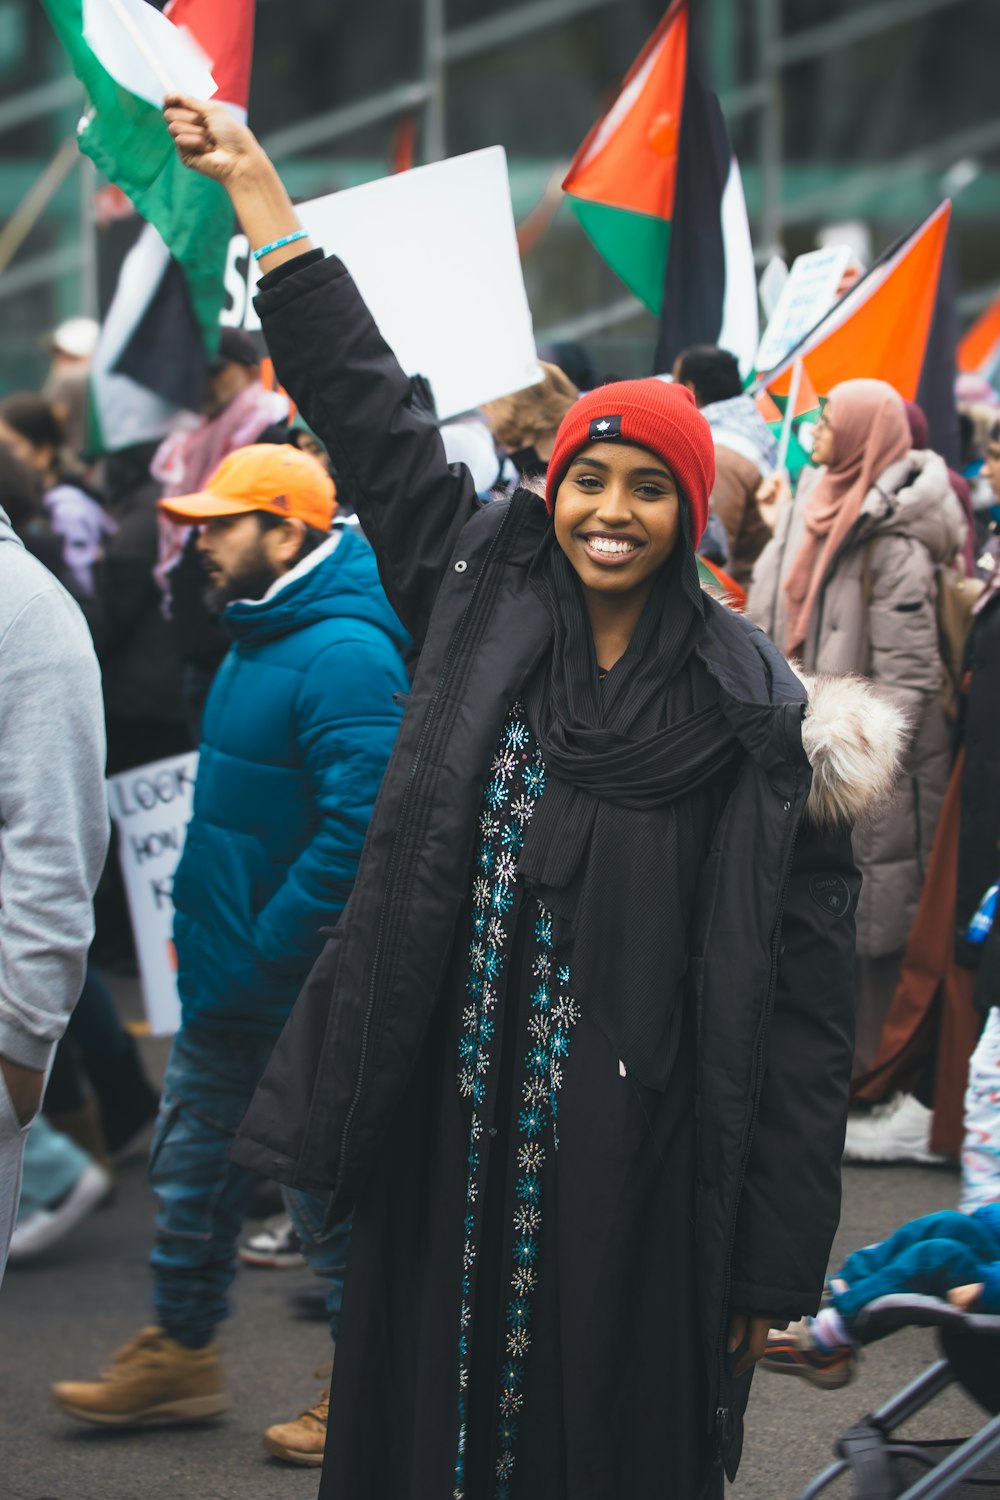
<point>617,516</point>
<point>822,448</point>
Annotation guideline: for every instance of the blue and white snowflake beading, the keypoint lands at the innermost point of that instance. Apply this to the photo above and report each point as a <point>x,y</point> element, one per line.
<point>517,780</point>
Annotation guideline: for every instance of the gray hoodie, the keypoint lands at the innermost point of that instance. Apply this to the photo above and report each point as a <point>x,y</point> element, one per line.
<point>53,804</point>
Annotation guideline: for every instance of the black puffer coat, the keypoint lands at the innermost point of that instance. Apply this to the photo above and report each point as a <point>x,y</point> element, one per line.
<point>773,946</point>
<point>979,829</point>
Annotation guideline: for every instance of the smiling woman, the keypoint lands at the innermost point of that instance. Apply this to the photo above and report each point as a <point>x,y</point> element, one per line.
<point>617,521</point>
<point>581,971</point>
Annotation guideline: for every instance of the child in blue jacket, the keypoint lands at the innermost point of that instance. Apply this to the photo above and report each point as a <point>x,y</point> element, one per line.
<point>948,1255</point>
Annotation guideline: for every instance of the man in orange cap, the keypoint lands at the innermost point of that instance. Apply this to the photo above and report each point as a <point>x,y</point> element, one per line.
<point>266,508</point>
<point>297,731</point>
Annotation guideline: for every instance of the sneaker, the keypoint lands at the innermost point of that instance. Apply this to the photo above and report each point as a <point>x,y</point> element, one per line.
<point>277,1245</point>
<point>46,1226</point>
<point>304,1440</point>
<point>899,1130</point>
<point>798,1352</point>
<point>151,1379</point>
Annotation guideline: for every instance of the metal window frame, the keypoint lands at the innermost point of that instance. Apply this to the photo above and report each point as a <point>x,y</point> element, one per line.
<point>442,48</point>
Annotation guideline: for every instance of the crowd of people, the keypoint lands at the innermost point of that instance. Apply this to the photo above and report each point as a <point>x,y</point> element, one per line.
<point>467,957</point>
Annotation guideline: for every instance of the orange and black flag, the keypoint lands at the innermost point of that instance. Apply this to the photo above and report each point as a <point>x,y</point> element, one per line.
<point>880,329</point>
<point>657,189</point>
<point>979,351</point>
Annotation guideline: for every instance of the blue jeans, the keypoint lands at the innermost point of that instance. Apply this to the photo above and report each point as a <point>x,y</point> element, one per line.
<point>202,1197</point>
<point>929,1256</point>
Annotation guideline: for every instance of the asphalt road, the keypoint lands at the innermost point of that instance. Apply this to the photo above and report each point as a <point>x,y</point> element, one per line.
<point>64,1314</point>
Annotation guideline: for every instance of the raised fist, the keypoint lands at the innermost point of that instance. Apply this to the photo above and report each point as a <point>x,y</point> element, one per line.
<point>209,138</point>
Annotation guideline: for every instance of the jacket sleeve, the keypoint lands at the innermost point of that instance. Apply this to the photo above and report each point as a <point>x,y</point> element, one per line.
<point>790,1204</point>
<point>347,720</point>
<point>54,825</point>
<point>331,358</point>
<point>905,661</point>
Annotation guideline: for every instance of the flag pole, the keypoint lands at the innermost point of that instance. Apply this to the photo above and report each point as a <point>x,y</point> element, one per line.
<point>36,200</point>
<point>142,46</point>
<point>786,426</point>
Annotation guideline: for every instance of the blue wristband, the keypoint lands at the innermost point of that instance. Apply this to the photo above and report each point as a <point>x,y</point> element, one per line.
<point>288,239</point>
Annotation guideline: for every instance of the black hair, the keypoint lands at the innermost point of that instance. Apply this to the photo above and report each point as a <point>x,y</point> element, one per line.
<point>33,417</point>
<point>714,373</point>
<point>994,436</point>
<point>36,420</point>
<point>313,538</point>
<point>20,491</point>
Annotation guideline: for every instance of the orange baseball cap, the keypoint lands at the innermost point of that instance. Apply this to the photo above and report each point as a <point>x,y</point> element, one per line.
<point>274,477</point>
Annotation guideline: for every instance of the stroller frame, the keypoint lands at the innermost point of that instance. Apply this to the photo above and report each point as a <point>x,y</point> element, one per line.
<point>866,1451</point>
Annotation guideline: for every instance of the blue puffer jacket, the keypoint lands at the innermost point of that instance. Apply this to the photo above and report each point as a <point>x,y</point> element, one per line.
<point>297,732</point>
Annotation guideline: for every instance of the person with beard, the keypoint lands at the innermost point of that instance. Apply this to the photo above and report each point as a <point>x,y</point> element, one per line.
<point>298,727</point>
<point>578,1053</point>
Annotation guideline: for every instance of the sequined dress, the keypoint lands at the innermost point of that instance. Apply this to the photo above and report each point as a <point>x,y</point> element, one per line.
<point>519,1284</point>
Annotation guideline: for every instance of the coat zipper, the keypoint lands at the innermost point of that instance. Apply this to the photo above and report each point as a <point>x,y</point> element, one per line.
<point>723,1415</point>
<point>400,828</point>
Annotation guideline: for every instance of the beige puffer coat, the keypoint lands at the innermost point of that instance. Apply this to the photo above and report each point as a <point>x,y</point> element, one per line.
<point>876,616</point>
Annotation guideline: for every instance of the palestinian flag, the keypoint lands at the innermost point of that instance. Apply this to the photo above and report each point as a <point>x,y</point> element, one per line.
<point>163,325</point>
<point>880,329</point>
<point>657,189</point>
<point>785,415</point>
<point>717,580</point>
<point>979,350</point>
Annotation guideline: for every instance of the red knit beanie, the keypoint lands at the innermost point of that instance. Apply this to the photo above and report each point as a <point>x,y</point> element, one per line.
<point>654,414</point>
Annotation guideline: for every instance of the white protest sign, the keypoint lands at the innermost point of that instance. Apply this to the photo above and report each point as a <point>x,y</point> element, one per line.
<point>772,284</point>
<point>151,807</point>
<point>809,293</point>
<point>144,52</point>
<point>434,254</point>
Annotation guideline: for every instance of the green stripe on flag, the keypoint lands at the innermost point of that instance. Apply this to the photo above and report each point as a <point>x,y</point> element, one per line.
<point>127,139</point>
<point>635,246</point>
<point>94,439</point>
<point>706,577</point>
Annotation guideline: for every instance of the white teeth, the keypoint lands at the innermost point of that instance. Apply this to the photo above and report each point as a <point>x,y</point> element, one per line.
<point>608,545</point>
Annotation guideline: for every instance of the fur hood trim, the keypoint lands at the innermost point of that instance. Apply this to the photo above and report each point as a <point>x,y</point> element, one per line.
<point>855,742</point>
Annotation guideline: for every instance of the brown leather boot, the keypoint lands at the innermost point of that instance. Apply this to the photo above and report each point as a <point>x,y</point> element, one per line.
<point>150,1379</point>
<point>301,1441</point>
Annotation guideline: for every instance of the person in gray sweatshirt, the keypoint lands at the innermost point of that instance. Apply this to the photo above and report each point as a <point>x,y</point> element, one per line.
<point>53,836</point>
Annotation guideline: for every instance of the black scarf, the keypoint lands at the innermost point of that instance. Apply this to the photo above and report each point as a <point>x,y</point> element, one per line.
<point>616,840</point>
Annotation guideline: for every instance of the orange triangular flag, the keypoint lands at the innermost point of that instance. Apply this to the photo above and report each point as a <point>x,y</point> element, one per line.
<point>979,351</point>
<point>767,406</point>
<point>807,399</point>
<point>880,329</point>
<point>622,182</point>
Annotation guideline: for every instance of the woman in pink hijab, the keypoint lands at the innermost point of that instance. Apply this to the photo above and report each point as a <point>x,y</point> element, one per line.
<point>849,585</point>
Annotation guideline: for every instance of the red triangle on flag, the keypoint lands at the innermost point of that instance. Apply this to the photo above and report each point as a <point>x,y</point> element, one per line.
<point>767,406</point>
<point>223,30</point>
<point>807,399</point>
<point>629,159</point>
